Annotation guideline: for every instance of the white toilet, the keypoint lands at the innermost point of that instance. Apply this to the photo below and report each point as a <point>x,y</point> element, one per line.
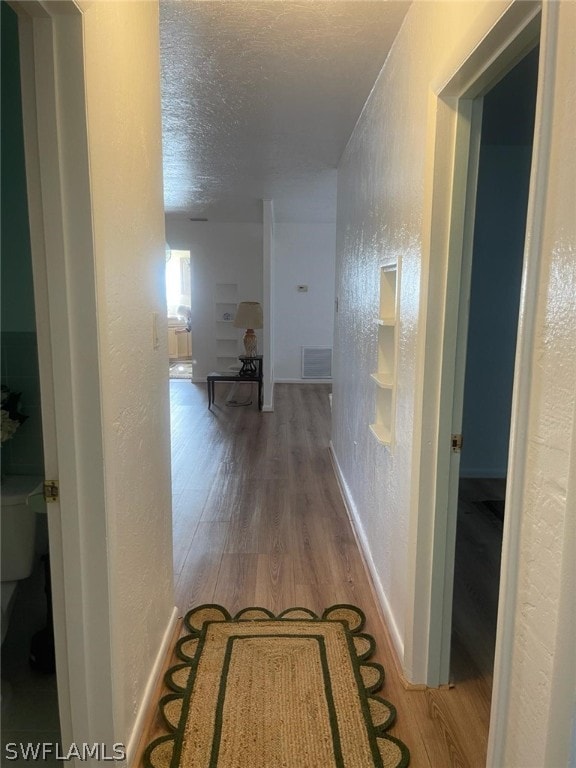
<point>18,531</point>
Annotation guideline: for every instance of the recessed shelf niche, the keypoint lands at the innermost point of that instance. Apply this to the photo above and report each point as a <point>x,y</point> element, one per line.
<point>385,375</point>
<point>225,306</point>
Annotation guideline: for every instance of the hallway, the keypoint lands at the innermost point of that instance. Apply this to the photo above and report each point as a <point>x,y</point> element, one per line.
<point>259,520</point>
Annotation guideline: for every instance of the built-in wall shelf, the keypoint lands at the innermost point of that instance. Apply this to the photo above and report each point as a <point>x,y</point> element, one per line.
<point>225,312</point>
<point>226,330</point>
<point>385,375</point>
<point>381,433</point>
<point>383,380</point>
<point>227,336</point>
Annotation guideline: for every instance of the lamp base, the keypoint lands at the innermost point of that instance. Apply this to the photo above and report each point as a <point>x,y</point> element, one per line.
<point>250,343</point>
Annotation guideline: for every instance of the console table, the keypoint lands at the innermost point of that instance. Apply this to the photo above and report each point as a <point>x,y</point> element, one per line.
<point>251,371</point>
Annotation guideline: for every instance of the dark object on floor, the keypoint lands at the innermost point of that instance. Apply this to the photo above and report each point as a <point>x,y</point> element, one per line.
<point>42,654</point>
<point>495,506</point>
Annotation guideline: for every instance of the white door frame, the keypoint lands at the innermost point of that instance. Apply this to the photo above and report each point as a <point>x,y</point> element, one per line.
<point>58,180</point>
<point>451,165</point>
<point>268,276</point>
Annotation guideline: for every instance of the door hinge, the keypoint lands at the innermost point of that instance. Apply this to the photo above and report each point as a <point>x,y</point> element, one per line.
<point>456,443</point>
<point>51,491</point>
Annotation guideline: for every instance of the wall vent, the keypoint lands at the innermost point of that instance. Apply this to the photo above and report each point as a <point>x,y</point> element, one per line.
<point>316,362</point>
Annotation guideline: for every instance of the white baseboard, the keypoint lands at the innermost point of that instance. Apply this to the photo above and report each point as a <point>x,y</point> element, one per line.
<point>303,381</point>
<point>153,679</point>
<point>278,381</point>
<point>362,541</point>
<point>269,407</point>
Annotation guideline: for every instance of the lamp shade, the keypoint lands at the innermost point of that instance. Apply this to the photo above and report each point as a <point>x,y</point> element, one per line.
<point>248,315</point>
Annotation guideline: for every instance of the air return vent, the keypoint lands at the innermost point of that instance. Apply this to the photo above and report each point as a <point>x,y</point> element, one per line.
<point>316,362</point>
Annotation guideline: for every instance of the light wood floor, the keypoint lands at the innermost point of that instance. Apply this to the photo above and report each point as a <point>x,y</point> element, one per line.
<point>259,520</point>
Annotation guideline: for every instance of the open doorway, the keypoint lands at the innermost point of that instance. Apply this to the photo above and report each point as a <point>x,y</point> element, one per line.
<point>500,211</point>
<point>178,303</point>
<point>29,683</point>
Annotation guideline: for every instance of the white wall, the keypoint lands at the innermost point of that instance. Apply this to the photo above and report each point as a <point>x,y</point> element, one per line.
<point>304,254</point>
<point>121,60</point>
<point>538,727</point>
<point>219,253</point>
<point>381,204</point>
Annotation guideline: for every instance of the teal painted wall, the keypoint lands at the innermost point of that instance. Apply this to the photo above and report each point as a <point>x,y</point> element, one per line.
<point>499,231</point>
<point>494,306</point>
<point>17,297</point>
<point>19,357</point>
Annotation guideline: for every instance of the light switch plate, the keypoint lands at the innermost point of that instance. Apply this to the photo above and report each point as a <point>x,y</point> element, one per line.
<point>155,337</point>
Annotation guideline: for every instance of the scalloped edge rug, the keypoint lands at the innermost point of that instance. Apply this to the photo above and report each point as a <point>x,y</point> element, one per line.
<point>288,691</point>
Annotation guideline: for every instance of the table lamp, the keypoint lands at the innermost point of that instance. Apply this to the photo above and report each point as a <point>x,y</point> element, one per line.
<point>249,316</point>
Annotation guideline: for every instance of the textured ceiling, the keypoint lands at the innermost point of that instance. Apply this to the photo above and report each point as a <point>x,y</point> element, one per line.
<point>259,100</point>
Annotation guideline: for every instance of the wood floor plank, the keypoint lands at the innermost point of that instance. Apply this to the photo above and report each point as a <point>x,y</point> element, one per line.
<point>275,582</point>
<point>246,520</point>
<point>187,508</point>
<point>223,495</point>
<point>197,581</point>
<point>276,533</point>
<point>236,584</point>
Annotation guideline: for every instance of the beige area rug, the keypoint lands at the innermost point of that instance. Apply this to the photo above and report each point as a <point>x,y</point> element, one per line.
<point>265,691</point>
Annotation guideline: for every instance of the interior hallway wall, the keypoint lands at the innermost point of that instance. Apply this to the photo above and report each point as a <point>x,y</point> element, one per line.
<point>381,200</point>
<point>540,729</point>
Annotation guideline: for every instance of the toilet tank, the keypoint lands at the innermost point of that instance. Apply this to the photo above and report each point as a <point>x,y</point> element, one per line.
<point>18,526</point>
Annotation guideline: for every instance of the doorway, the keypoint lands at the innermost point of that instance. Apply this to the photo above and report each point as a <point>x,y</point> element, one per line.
<point>29,681</point>
<point>179,307</point>
<point>500,212</point>
<point>59,211</point>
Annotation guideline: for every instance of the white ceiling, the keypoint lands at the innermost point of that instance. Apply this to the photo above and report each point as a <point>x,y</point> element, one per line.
<point>259,100</point>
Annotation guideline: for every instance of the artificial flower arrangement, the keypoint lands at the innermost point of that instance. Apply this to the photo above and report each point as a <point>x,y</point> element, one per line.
<point>11,416</point>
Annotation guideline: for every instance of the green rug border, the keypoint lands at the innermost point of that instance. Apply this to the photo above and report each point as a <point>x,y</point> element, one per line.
<point>176,734</point>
